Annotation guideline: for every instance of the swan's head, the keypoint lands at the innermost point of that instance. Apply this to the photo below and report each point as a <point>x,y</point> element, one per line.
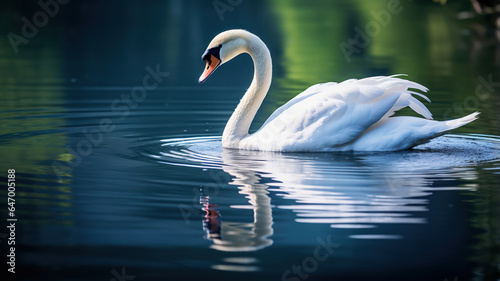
<point>223,48</point>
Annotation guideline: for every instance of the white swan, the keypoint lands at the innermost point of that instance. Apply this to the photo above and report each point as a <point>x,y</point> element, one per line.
<point>351,115</point>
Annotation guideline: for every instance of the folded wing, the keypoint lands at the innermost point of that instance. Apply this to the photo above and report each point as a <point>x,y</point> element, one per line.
<point>331,115</point>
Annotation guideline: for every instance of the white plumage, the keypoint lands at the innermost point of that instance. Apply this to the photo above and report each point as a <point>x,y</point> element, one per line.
<point>351,115</point>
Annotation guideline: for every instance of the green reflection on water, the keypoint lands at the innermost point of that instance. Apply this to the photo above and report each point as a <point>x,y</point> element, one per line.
<point>411,40</point>
<point>31,112</point>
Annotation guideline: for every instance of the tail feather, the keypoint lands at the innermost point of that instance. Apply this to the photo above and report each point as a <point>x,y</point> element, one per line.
<point>419,107</point>
<point>459,122</point>
<point>420,95</point>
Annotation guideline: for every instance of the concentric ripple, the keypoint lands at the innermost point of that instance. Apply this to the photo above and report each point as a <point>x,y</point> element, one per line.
<point>200,152</point>
<point>446,151</point>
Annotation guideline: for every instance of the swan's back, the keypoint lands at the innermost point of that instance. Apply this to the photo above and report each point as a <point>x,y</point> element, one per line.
<point>350,115</point>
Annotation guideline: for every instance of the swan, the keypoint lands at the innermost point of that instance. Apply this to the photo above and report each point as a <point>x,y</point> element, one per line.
<point>353,115</point>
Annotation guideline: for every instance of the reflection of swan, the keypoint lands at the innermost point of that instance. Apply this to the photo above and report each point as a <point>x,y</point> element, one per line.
<point>357,192</point>
<point>345,191</point>
<point>352,115</point>
<point>242,236</point>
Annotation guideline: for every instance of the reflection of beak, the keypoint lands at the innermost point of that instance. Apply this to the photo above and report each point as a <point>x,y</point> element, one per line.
<point>212,64</point>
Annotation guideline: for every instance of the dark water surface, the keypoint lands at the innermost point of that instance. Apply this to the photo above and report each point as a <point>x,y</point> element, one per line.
<point>114,182</point>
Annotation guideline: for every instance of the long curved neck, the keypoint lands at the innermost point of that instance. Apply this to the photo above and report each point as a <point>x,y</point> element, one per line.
<point>238,125</point>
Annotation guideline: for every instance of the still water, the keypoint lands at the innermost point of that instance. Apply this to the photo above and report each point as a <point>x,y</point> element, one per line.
<point>122,179</point>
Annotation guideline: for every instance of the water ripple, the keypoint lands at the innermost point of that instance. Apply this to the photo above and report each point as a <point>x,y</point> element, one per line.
<point>356,191</point>
<point>453,151</point>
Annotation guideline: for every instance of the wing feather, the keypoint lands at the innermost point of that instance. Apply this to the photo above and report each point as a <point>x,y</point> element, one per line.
<point>331,114</point>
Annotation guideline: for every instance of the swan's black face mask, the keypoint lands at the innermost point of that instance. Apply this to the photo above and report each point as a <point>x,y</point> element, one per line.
<point>212,57</point>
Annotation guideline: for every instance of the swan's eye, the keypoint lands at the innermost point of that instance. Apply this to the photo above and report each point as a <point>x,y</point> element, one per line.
<point>215,51</point>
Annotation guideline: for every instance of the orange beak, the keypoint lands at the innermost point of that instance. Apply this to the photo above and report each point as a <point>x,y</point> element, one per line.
<point>212,64</point>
